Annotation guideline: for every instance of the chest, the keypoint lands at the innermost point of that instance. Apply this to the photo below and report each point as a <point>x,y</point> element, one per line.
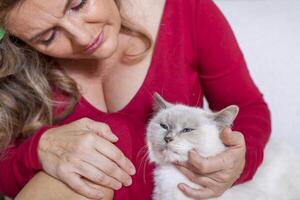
<point>166,180</point>
<point>123,82</point>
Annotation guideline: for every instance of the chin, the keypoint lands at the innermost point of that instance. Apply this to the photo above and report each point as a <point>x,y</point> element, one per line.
<point>109,46</point>
<point>107,49</point>
<point>169,156</point>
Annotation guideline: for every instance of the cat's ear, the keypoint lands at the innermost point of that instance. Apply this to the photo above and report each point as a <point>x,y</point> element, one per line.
<point>160,103</point>
<point>225,117</point>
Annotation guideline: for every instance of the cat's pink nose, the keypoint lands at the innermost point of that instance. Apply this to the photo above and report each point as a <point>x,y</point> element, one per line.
<point>168,138</point>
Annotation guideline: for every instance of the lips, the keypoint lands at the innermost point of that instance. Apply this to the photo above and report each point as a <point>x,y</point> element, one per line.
<point>95,44</point>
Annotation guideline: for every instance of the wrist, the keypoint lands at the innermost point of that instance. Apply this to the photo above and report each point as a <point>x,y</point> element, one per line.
<point>32,157</point>
<point>44,143</point>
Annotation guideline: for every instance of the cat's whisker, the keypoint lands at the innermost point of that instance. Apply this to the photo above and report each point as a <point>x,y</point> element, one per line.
<point>143,152</point>
<point>198,100</point>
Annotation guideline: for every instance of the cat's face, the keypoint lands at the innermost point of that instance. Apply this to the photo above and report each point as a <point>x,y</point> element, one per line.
<point>176,129</point>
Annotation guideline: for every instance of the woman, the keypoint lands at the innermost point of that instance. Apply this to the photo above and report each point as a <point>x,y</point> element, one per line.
<point>76,83</point>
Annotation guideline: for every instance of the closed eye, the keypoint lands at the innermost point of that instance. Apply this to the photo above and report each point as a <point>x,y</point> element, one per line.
<point>186,130</point>
<point>49,38</point>
<point>75,6</point>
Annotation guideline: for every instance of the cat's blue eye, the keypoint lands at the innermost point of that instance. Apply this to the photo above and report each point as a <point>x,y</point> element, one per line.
<point>186,130</point>
<point>164,126</point>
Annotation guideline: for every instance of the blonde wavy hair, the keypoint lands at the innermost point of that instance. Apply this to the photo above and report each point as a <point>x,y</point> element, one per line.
<point>28,78</point>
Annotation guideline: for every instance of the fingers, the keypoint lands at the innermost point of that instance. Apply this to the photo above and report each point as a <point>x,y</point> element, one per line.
<point>216,173</point>
<point>108,167</point>
<point>211,187</point>
<point>196,178</point>
<point>207,165</point>
<point>224,160</point>
<point>203,193</point>
<point>99,128</point>
<point>232,138</point>
<point>96,176</point>
<point>113,153</point>
<point>78,185</point>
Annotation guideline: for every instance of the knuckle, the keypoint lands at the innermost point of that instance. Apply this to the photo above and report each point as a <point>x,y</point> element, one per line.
<point>195,179</point>
<point>84,120</point>
<point>227,162</point>
<point>225,177</point>
<point>62,169</point>
<point>87,139</point>
<point>100,178</point>
<point>112,168</point>
<point>79,150</point>
<point>105,127</point>
<point>222,177</point>
<point>80,166</point>
<point>231,165</point>
<point>118,155</point>
<point>77,186</point>
<point>218,193</point>
<point>202,167</point>
<point>83,189</point>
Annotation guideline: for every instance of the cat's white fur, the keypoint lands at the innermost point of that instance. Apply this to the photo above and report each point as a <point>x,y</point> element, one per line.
<point>278,178</point>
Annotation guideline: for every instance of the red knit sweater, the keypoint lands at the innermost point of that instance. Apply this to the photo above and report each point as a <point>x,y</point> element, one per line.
<point>196,55</point>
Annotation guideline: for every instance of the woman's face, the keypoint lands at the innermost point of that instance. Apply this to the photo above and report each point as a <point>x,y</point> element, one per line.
<point>72,29</point>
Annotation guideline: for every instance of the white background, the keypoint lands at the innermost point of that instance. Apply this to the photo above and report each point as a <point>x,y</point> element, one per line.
<point>268,32</point>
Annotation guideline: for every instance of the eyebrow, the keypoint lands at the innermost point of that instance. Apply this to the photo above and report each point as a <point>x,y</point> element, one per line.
<point>45,31</point>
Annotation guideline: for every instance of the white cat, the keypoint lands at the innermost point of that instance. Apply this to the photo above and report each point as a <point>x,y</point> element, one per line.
<point>176,129</point>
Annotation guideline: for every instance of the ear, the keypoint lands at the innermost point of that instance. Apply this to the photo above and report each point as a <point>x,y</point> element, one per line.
<point>225,117</point>
<point>160,103</point>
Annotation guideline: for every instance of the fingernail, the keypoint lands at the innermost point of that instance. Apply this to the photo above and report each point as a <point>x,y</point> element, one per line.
<point>228,129</point>
<point>132,171</point>
<point>115,138</point>
<point>118,186</point>
<point>128,182</point>
<point>182,187</point>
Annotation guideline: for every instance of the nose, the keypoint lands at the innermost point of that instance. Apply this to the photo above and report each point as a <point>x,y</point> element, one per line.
<point>79,35</point>
<point>168,138</point>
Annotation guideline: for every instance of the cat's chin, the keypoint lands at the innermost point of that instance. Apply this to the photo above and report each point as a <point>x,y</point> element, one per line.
<point>170,156</point>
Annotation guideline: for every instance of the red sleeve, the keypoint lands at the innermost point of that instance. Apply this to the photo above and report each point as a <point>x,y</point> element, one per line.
<point>19,164</point>
<point>226,80</point>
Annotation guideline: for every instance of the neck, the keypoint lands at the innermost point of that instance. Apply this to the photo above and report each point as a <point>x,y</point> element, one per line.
<point>96,68</point>
<point>85,68</point>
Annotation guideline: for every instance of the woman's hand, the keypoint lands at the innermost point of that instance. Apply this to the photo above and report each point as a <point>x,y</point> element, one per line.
<point>84,150</point>
<point>218,173</point>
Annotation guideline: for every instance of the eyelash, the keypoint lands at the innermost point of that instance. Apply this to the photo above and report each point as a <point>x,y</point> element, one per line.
<point>47,42</point>
<point>76,8</point>
<point>81,5</point>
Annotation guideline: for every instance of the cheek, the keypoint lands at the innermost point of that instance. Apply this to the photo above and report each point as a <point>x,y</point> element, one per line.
<point>63,49</point>
<point>158,138</point>
<point>104,10</point>
<point>185,143</point>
